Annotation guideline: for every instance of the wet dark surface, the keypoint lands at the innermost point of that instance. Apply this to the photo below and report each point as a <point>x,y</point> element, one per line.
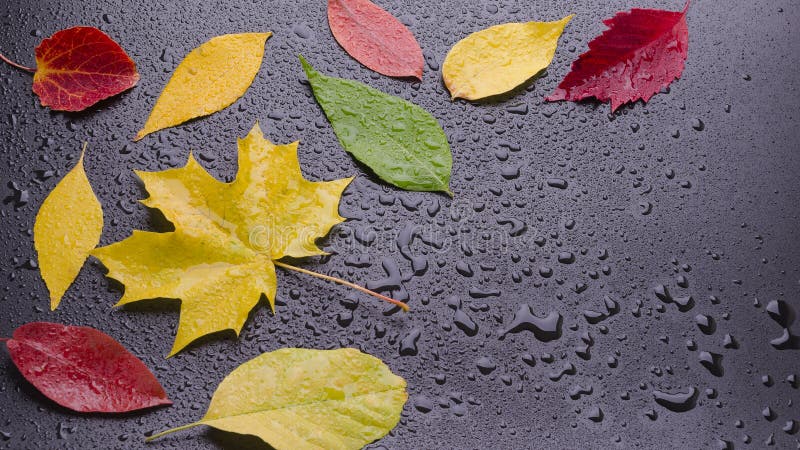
<point>599,281</point>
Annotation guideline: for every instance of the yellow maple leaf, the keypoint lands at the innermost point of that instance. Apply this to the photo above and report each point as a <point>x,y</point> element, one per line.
<point>219,259</point>
<point>496,60</point>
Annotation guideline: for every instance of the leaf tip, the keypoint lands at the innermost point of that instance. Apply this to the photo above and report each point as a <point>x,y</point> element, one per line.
<point>255,131</point>
<point>176,348</point>
<point>563,22</point>
<point>557,95</point>
<point>140,174</point>
<point>191,160</point>
<point>121,302</point>
<point>306,66</point>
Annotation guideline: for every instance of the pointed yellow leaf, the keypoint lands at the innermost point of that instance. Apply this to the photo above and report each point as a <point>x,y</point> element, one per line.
<point>218,261</point>
<point>209,79</point>
<point>68,226</point>
<point>295,398</point>
<point>498,59</point>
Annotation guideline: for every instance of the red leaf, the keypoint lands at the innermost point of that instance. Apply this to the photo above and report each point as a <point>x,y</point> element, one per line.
<point>80,66</point>
<point>83,369</point>
<point>375,38</point>
<point>642,51</point>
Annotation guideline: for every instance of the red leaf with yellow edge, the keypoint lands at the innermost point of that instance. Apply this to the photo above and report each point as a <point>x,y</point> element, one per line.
<point>642,51</point>
<point>83,369</point>
<point>78,67</point>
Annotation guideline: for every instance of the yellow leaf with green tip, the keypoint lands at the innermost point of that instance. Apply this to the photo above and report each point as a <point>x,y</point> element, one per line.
<point>496,60</point>
<point>219,259</point>
<point>210,78</point>
<point>68,226</point>
<point>295,398</point>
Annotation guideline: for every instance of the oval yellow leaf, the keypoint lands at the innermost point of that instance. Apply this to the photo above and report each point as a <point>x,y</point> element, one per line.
<point>295,398</point>
<point>68,226</point>
<point>498,59</point>
<point>209,79</point>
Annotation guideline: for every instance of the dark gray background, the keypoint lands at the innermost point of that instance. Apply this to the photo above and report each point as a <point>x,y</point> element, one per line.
<point>722,202</point>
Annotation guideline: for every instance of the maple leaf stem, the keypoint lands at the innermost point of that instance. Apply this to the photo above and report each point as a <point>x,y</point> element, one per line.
<point>402,305</point>
<point>18,66</point>
<point>171,430</point>
<point>2,339</point>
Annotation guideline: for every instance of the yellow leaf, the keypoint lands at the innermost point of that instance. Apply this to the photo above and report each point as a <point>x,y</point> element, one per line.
<point>498,59</point>
<point>219,259</point>
<point>209,79</point>
<point>295,398</point>
<point>68,226</point>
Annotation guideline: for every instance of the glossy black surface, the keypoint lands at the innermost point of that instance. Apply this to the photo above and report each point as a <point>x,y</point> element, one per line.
<point>695,192</point>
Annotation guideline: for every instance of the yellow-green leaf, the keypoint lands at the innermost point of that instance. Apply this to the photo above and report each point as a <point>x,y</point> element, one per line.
<point>498,59</point>
<point>209,79</point>
<point>68,226</point>
<point>295,398</point>
<point>218,261</point>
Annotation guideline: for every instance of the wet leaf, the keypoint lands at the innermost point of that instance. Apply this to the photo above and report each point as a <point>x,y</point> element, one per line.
<point>219,259</point>
<point>375,38</point>
<point>78,67</point>
<point>496,60</point>
<point>402,143</point>
<point>642,52</point>
<point>83,369</point>
<point>68,226</point>
<point>295,398</point>
<point>210,78</point>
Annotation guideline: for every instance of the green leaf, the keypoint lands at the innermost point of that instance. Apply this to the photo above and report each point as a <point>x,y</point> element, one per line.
<point>296,398</point>
<point>402,143</point>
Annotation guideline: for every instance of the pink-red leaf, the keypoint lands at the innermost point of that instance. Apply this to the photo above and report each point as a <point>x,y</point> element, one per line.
<point>375,38</point>
<point>83,369</point>
<point>642,51</point>
<point>78,67</point>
